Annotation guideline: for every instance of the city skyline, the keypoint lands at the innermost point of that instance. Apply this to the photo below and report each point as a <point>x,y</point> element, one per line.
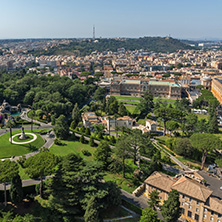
<point>75,19</point>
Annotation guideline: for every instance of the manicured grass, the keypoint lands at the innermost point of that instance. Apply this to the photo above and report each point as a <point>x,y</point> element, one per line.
<point>72,147</point>
<point>132,109</point>
<point>125,183</point>
<point>142,121</point>
<point>77,147</point>
<point>7,149</point>
<point>128,98</point>
<point>165,100</point>
<point>219,135</point>
<point>114,212</point>
<point>128,102</point>
<point>202,116</point>
<point>16,139</point>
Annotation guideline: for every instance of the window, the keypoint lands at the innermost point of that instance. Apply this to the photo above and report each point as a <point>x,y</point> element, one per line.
<point>189,213</point>
<point>211,218</point>
<point>182,210</point>
<point>196,217</point>
<point>219,215</point>
<point>205,209</point>
<point>197,210</point>
<point>183,204</point>
<point>183,196</point>
<point>190,207</point>
<point>198,203</point>
<point>205,216</point>
<point>218,220</point>
<point>190,199</point>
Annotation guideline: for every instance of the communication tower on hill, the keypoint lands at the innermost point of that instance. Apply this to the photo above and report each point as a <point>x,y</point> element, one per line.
<point>94,32</point>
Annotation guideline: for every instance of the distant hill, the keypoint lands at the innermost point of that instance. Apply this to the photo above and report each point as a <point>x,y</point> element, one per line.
<point>84,47</point>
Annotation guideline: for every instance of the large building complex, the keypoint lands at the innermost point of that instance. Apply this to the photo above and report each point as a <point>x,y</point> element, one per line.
<point>163,89</point>
<point>197,201</point>
<point>216,89</point>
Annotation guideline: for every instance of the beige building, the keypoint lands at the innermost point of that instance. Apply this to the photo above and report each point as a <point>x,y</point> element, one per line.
<point>216,89</point>
<point>196,200</point>
<point>162,89</point>
<point>151,125</point>
<point>90,118</point>
<point>124,121</point>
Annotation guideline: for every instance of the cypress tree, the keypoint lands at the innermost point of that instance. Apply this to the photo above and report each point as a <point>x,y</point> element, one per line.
<point>16,191</point>
<point>171,207</point>
<point>91,142</point>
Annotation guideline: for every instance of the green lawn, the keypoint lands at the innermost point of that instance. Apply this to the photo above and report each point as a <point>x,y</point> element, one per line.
<point>127,183</point>
<point>202,116</point>
<point>72,147</point>
<point>128,98</point>
<point>132,109</point>
<point>165,100</point>
<point>128,102</point>
<point>77,147</point>
<point>7,149</point>
<point>142,121</point>
<point>16,139</point>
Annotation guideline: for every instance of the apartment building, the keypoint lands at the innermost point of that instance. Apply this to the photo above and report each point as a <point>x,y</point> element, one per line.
<point>163,89</point>
<point>197,201</point>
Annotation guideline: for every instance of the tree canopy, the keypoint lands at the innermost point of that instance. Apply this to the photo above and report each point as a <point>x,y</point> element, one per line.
<point>205,143</point>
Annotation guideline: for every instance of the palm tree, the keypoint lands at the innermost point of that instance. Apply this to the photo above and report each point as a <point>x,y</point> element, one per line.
<point>10,124</point>
<point>32,114</point>
<point>109,124</point>
<point>117,129</point>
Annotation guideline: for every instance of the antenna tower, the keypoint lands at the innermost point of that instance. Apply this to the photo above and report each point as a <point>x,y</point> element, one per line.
<point>94,31</point>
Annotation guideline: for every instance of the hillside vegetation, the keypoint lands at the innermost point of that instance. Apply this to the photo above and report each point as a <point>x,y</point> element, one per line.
<point>84,47</point>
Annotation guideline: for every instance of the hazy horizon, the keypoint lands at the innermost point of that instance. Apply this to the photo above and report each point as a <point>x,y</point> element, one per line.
<point>188,19</point>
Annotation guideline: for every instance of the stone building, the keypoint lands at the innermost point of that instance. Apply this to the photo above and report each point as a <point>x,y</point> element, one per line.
<point>197,201</point>
<point>164,89</point>
<point>216,89</point>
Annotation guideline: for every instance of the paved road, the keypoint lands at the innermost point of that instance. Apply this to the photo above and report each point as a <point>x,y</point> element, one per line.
<point>49,140</point>
<point>24,183</point>
<point>179,163</point>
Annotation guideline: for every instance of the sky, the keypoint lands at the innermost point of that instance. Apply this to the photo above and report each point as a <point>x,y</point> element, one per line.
<point>196,19</point>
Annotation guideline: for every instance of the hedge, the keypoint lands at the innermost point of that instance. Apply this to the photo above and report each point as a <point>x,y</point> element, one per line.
<point>132,207</point>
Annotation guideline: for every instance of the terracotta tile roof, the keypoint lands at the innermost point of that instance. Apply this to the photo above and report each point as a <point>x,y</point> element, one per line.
<point>192,188</point>
<point>151,122</point>
<point>125,118</point>
<point>160,181</point>
<point>215,205</point>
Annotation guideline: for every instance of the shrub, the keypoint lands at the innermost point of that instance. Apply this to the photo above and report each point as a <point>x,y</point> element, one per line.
<point>58,142</point>
<point>91,142</point>
<point>112,139</point>
<point>21,160</point>
<point>73,136</point>
<point>82,139</point>
<point>87,131</point>
<point>86,153</point>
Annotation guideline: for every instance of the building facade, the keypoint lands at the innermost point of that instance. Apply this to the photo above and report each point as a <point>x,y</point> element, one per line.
<point>216,89</point>
<point>197,201</point>
<point>139,87</point>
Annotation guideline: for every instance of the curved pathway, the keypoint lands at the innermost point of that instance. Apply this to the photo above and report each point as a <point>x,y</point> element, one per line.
<point>49,139</point>
<point>32,140</point>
